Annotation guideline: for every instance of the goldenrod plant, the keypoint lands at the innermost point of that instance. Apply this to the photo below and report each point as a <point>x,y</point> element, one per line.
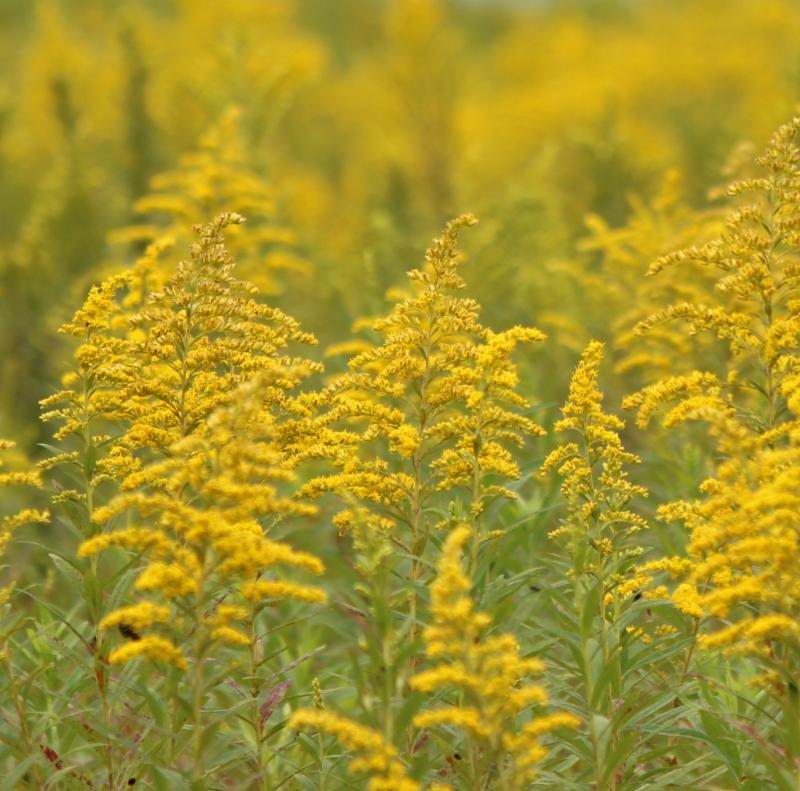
<point>207,578</point>
<point>492,703</point>
<point>598,605</point>
<point>438,397</point>
<point>735,580</point>
<point>190,380</point>
<point>439,391</point>
<point>492,680</point>
<point>753,307</point>
<point>372,755</point>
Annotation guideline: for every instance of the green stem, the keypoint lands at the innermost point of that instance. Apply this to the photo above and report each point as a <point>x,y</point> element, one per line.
<point>173,740</point>
<point>589,695</point>
<point>321,755</point>
<point>614,688</point>
<point>791,713</point>
<point>101,673</point>
<point>255,690</point>
<point>416,501</point>
<point>109,746</point>
<point>22,716</point>
<point>388,680</point>
<point>198,684</point>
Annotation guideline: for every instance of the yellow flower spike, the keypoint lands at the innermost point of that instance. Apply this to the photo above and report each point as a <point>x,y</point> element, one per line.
<point>95,390</point>
<point>488,672</point>
<point>256,591</point>
<point>201,374</point>
<point>438,391</point>
<point>171,394</point>
<point>740,567</point>
<point>753,259</point>
<point>169,579</point>
<point>594,482</point>
<point>229,635</point>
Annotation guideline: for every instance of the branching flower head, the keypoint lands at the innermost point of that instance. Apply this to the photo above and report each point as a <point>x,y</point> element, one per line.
<point>195,341</point>
<point>595,482</point>
<point>757,314</point>
<point>488,672</point>
<point>200,532</point>
<point>93,398</point>
<point>739,575</point>
<point>148,377</point>
<point>439,390</point>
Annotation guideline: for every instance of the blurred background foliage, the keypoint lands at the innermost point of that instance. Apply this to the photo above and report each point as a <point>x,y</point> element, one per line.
<point>583,133</point>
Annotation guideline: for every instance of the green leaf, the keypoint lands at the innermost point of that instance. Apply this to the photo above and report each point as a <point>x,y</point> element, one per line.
<point>120,589</point>
<point>68,569</point>
<point>589,611</point>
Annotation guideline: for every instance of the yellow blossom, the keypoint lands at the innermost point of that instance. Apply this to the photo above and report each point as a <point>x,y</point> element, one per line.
<point>438,388</point>
<point>138,617</point>
<point>159,649</point>
<point>488,671</point>
<point>371,754</point>
<point>738,577</point>
<point>598,522</point>
<point>212,538</point>
<point>211,180</point>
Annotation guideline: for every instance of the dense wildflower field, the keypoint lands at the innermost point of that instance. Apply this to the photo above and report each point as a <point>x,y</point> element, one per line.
<point>400,395</point>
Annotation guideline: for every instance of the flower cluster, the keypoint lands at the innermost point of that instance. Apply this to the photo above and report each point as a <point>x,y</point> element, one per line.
<point>372,755</point>
<point>94,396</point>
<point>739,573</point>
<point>154,364</point>
<point>595,484</point>
<point>188,380</point>
<point>738,577</point>
<point>488,672</point>
<point>758,310</point>
<point>617,289</point>
<point>200,535</point>
<point>193,342</point>
<point>439,391</point>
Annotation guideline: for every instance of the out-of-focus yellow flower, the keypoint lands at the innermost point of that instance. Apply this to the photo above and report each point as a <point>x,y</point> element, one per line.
<point>10,522</point>
<point>371,754</point>
<point>209,182</point>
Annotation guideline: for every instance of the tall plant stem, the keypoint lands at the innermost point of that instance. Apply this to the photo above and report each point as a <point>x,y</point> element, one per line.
<point>22,716</point>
